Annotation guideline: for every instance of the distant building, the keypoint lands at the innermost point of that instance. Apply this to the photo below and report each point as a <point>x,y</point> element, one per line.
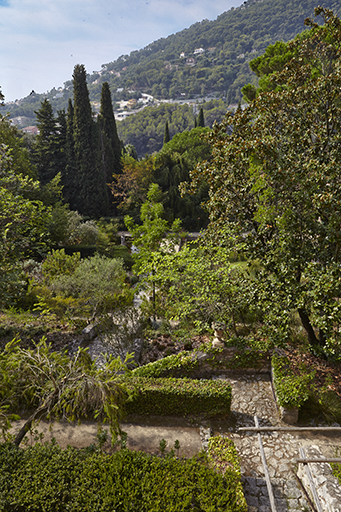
<point>190,61</point>
<point>198,51</point>
<point>182,55</point>
<point>20,120</point>
<point>31,129</point>
<point>131,103</point>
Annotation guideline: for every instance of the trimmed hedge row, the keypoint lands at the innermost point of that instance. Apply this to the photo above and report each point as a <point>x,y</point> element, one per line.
<point>223,455</point>
<point>186,364</point>
<point>172,365</point>
<point>178,397</point>
<point>44,478</point>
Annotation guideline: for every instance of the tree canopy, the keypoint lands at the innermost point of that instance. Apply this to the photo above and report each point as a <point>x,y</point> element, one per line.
<point>275,189</point>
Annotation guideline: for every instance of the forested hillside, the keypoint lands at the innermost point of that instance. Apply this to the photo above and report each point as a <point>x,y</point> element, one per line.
<point>228,44</point>
<point>145,130</point>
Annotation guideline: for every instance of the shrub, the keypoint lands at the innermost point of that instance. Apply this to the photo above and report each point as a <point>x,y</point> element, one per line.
<point>96,280</point>
<point>222,454</point>
<point>179,397</point>
<point>46,478</point>
<point>292,389</point>
<point>58,263</point>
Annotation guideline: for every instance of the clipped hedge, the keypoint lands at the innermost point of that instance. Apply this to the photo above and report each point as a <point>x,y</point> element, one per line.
<point>292,389</point>
<point>178,397</point>
<point>44,478</point>
<point>211,360</point>
<point>183,363</point>
<point>222,455</point>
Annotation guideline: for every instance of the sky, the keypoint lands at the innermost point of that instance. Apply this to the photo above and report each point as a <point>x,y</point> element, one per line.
<point>42,40</point>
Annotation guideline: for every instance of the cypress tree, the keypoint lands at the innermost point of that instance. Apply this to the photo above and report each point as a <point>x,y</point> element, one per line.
<point>70,175</point>
<point>166,137</point>
<point>111,146</point>
<point>201,120</point>
<point>45,153</point>
<point>92,193</point>
<point>110,143</point>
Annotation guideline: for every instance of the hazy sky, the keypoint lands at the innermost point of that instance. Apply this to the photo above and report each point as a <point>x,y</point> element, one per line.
<point>42,40</point>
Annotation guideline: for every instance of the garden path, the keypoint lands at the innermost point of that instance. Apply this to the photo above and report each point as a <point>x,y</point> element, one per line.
<point>252,395</point>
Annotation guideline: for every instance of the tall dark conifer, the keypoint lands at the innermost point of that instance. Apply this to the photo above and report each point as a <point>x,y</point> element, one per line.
<point>45,151</point>
<point>201,120</point>
<point>92,193</point>
<point>166,137</point>
<point>70,175</point>
<point>110,143</point>
<point>111,146</point>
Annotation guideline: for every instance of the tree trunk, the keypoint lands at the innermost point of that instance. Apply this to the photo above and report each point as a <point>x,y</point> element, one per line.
<point>313,340</point>
<point>27,425</point>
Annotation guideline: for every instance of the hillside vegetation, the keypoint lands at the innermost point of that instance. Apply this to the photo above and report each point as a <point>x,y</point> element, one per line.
<point>229,43</point>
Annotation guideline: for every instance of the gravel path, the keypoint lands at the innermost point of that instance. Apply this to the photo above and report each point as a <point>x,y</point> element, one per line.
<point>252,395</point>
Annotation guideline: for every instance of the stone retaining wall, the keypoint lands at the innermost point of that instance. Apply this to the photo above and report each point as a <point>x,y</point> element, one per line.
<point>327,485</point>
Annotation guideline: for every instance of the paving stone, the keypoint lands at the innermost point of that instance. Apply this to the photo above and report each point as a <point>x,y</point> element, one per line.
<point>252,501</point>
<point>252,395</point>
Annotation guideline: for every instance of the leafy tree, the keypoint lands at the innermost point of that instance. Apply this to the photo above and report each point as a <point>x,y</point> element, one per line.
<point>198,286</point>
<point>275,188</point>
<point>129,189</point>
<point>19,154</point>
<point>62,387</point>
<point>172,167</point>
<point>23,226</point>
<point>154,235</point>
<point>92,192</point>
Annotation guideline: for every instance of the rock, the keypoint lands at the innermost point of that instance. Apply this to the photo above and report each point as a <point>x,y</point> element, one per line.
<point>289,416</point>
<point>89,332</point>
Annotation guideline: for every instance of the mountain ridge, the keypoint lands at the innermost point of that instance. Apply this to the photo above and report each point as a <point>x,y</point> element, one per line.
<point>229,42</point>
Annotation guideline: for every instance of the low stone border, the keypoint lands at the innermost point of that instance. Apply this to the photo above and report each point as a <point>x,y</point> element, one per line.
<point>326,484</point>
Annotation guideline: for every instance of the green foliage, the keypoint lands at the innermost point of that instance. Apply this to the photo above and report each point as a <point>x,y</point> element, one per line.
<point>146,129</point>
<point>58,263</point>
<point>61,387</point>
<point>185,364</point>
<point>129,189</point>
<point>182,364</point>
<point>49,145</point>
<point>111,147</point>
<point>92,192</point>
<point>23,226</point>
<point>292,389</point>
<point>179,397</point>
<point>19,155</point>
<point>275,170</point>
<point>337,469</point>
<point>199,287</point>
<point>96,280</point>
<point>150,237</point>
<point>223,455</point>
<point>44,477</point>
<point>173,165</point>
